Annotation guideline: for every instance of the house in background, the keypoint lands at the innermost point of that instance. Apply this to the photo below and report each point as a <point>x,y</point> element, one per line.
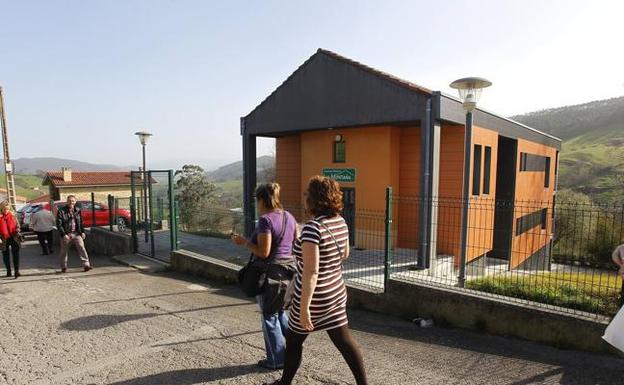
<point>369,130</point>
<point>82,184</point>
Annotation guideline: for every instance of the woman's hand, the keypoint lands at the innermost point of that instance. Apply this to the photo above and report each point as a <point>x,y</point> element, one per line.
<point>305,320</point>
<point>237,239</point>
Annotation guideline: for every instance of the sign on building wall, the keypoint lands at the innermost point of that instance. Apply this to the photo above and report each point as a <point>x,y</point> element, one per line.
<point>340,174</point>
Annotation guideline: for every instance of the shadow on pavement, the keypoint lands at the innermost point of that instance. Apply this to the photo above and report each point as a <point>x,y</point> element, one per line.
<point>101,321</point>
<point>210,338</point>
<point>191,376</point>
<point>572,365</point>
<point>146,297</point>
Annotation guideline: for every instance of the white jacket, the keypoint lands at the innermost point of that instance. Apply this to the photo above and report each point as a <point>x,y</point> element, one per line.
<point>42,221</point>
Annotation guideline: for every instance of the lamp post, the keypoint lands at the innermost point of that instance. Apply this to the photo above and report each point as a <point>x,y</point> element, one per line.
<point>469,93</point>
<point>143,138</point>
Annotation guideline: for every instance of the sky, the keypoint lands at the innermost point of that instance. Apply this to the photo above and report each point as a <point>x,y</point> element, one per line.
<point>80,77</point>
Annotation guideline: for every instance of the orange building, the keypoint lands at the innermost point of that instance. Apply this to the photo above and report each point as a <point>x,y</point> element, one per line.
<point>370,130</point>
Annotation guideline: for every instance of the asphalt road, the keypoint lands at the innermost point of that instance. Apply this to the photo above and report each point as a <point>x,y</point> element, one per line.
<point>116,325</point>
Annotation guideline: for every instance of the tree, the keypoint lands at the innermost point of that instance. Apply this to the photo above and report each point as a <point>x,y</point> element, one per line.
<point>194,193</point>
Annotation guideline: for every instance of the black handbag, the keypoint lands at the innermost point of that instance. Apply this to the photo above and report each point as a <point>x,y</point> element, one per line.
<point>279,278</point>
<point>252,278</point>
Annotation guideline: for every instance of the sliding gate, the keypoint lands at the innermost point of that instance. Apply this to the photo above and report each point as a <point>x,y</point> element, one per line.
<point>154,218</point>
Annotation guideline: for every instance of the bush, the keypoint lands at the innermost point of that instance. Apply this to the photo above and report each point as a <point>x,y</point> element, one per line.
<point>593,293</point>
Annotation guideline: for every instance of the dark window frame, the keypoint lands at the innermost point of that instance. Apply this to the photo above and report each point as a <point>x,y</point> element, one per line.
<point>547,172</point>
<point>344,151</point>
<point>476,169</point>
<point>487,169</point>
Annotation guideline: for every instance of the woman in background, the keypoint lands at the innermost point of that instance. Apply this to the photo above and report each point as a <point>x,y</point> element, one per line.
<point>272,241</point>
<point>320,296</point>
<point>9,231</point>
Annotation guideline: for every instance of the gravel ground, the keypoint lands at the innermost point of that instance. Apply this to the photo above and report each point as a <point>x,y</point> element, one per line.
<point>116,325</point>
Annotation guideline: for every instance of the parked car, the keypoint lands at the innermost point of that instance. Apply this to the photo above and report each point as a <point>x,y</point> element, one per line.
<point>102,213</point>
<point>24,213</point>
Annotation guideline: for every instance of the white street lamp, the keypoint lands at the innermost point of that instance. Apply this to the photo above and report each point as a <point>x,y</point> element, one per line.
<point>143,138</point>
<point>469,94</point>
<point>470,91</point>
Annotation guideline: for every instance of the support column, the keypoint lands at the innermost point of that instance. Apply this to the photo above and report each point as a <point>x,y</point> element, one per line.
<point>425,186</point>
<point>249,179</point>
<point>435,193</point>
<point>463,256</point>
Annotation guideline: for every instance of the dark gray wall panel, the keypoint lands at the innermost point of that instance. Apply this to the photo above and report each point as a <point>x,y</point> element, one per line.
<point>327,92</point>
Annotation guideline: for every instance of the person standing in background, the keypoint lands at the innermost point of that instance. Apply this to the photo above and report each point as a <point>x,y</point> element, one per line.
<point>9,231</point>
<point>71,230</point>
<point>42,222</point>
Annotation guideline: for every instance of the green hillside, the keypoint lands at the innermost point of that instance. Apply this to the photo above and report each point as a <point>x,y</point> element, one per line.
<point>24,185</point>
<point>592,155</point>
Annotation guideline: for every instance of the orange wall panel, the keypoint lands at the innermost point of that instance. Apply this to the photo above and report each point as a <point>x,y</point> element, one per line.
<point>531,195</point>
<point>375,155</point>
<point>407,205</point>
<point>288,172</point>
<point>482,207</point>
<point>450,190</point>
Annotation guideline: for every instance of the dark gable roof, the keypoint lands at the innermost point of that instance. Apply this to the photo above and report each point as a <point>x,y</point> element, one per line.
<point>329,90</point>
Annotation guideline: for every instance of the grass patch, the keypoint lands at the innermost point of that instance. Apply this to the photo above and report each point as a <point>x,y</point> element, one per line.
<point>593,293</point>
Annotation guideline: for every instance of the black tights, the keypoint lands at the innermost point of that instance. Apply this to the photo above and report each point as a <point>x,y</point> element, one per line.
<point>15,249</point>
<point>341,338</point>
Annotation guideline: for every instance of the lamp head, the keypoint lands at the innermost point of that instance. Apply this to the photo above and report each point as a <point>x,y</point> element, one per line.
<point>470,91</point>
<point>143,137</point>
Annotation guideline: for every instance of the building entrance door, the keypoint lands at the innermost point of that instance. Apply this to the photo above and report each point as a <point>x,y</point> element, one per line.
<point>348,211</point>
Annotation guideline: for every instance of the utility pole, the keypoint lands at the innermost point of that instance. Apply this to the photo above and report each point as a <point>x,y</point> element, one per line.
<point>8,166</point>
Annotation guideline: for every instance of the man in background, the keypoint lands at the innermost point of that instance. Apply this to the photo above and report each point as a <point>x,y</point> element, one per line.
<point>42,222</point>
<point>71,231</point>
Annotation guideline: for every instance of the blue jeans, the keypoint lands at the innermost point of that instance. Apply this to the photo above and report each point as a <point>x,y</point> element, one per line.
<point>274,329</point>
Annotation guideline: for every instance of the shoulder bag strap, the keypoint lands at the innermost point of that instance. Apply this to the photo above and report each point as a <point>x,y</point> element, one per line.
<point>334,238</point>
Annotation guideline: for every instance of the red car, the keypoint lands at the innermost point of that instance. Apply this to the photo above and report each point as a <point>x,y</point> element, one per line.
<point>102,212</point>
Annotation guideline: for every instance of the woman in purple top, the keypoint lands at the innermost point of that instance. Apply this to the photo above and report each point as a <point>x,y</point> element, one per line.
<point>272,239</point>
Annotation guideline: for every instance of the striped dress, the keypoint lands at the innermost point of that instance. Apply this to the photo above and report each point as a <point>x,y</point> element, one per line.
<point>328,308</point>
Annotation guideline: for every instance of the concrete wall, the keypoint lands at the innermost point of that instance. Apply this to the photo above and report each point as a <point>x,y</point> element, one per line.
<point>204,266</point>
<point>452,308</point>
<point>447,307</point>
<point>104,242</point>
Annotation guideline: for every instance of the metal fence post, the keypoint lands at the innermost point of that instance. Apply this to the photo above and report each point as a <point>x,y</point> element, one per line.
<point>172,213</point>
<point>111,212</point>
<point>150,213</point>
<point>133,223</point>
<point>93,209</point>
<point>176,215</point>
<point>388,237</point>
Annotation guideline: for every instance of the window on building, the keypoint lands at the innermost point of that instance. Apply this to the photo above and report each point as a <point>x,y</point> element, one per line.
<point>544,216</point>
<point>487,165</point>
<point>340,152</point>
<point>476,170</point>
<point>556,169</point>
<point>547,172</point>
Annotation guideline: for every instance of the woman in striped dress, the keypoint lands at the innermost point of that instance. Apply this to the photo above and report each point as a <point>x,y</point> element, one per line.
<point>320,296</point>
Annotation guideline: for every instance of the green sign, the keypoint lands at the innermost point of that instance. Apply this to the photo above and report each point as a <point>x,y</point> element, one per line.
<point>340,174</point>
